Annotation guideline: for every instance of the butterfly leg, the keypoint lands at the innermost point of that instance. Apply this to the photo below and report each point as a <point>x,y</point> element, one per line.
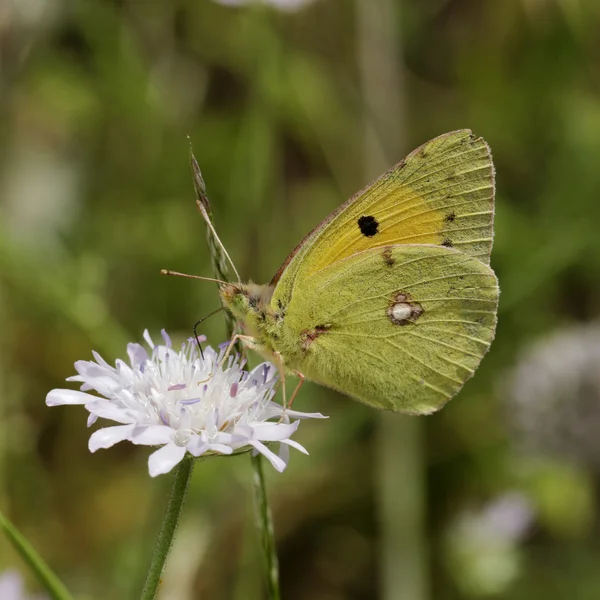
<point>279,364</point>
<point>234,339</point>
<point>281,369</point>
<point>300,383</point>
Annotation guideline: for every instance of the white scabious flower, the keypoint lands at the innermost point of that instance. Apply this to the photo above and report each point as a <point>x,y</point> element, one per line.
<point>553,396</point>
<point>483,544</point>
<point>13,588</point>
<point>183,403</point>
<point>285,5</point>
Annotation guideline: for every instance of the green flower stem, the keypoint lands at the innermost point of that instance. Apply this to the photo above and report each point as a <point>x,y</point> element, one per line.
<point>259,128</point>
<point>400,481</point>
<point>264,524</point>
<point>45,575</point>
<point>181,482</point>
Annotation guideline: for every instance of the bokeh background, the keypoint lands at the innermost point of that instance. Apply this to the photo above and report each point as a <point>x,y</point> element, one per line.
<point>291,107</point>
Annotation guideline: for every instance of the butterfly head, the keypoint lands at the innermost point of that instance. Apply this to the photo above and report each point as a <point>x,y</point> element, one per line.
<point>247,302</point>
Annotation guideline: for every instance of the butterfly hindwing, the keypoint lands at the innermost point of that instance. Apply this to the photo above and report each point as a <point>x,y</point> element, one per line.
<point>400,327</point>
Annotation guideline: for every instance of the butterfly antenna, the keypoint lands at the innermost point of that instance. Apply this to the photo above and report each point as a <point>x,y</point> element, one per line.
<point>202,321</point>
<point>218,241</point>
<point>178,274</point>
<point>204,208</point>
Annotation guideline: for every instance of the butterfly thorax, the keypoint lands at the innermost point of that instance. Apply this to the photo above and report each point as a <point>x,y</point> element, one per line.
<point>250,306</point>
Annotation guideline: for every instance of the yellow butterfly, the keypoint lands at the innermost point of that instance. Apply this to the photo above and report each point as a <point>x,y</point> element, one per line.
<point>390,299</point>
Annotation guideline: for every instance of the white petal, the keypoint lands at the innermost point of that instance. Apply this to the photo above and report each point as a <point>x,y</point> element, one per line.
<point>302,415</point>
<point>162,352</point>
<point>230,438</point>
<point>166,338</point>
<point>163,460</point>
<point>11,586</point>
<point>284,453</point>
<point>125,372</point>
<point>107,410</point>
<point>220,448</point>
<point>101,379</point>
<point>296,445</point>
<point>270,456</point>
<point>197,447</point>
<point>153,435</point>
<point>59,397</point>
<point>101,361</point>
<point>276,410</point>
<point>274,432</point>
<point>244,431</point>
<point>259,372</point>
<point>137,355</point>
<point>109,436</point>
<point>92,418</point>
<point>148,338</point>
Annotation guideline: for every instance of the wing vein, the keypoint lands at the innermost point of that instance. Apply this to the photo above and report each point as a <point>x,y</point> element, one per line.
<point>423,337</point>
<point>413,357</point>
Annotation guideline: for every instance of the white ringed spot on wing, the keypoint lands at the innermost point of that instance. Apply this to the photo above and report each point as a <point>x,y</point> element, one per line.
<point>402,310</point>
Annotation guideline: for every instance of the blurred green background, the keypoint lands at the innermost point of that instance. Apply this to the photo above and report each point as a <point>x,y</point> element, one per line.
<point>290,112</point>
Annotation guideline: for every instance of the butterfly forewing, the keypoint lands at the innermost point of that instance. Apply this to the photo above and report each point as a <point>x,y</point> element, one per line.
<point>441,194</point>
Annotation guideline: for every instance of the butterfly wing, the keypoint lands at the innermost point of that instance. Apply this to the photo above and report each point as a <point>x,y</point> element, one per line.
<point>442,194</point>
<point>400,327</point>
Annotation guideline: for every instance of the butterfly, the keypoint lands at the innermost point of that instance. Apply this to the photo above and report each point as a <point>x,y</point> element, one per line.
<point>390,299</point>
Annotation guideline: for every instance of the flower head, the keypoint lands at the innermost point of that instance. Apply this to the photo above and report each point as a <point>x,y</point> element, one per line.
<point>285,5</point>
<point>184,403</point>
<point>482,544</point>
<point>553,396</point>
<point>13,588</point>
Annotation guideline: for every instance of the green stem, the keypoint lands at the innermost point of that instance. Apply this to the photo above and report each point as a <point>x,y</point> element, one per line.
<point>181,481</point>
<point>401,502</point>
<point>264,521</point>
<point>401,485</point>
<point>45,575</point>
<point>264,524</point>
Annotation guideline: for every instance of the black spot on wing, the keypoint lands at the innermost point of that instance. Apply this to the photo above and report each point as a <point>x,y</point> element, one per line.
<point>450,217</point>
<point>448,243</point>
<point>368,225</point>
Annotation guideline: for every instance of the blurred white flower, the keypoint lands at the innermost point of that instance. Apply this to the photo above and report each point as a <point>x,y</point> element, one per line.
<point>13,588</point>
<point>553,396</point>
<point>183,403</point>
<point>482,545</point>
<point>290,5</point>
